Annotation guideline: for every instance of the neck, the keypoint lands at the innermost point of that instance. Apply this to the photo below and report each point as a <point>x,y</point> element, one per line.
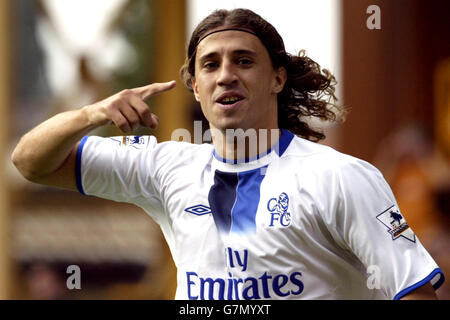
<point>239,144</point>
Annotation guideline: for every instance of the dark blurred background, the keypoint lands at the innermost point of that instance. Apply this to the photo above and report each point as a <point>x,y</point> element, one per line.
<point>395,81</point>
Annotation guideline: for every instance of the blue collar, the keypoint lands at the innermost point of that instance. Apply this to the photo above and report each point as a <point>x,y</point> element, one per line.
<point>280,147</point>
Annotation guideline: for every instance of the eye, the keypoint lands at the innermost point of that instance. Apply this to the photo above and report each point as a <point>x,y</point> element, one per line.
<point>245,61</point>
<point>210,65</point>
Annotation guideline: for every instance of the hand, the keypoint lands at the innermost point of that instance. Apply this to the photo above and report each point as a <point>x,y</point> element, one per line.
<point>127,109</point>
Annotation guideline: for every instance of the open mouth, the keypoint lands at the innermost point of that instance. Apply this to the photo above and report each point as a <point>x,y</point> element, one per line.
<point>230,100</point>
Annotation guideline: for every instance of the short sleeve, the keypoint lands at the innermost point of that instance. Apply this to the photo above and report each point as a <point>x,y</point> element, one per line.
<point>122,169</point>
<point>375,230</point>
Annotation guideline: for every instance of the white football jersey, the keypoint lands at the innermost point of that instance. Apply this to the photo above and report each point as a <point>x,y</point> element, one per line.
<point>301,222</point>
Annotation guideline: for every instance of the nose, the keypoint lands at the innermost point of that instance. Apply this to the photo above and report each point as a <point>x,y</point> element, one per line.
<point>227,74</point>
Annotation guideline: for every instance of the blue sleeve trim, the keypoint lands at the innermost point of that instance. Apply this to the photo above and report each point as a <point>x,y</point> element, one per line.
<point>423,282</point>
<point>78,165</point>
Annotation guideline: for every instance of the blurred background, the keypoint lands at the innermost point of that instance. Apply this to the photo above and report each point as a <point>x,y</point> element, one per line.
<point>60,55</point>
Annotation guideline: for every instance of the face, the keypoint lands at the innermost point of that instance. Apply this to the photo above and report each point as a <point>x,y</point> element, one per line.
<point>283,200</point>
<point>235,82</point>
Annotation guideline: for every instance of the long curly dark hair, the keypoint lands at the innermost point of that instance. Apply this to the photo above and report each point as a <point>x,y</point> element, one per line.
<point>308,92</point>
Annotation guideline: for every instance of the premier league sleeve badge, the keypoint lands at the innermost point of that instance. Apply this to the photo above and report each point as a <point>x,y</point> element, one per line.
<point>396,224</point>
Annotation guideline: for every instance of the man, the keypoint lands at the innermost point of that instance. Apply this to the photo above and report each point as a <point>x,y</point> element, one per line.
<point>261,213</point>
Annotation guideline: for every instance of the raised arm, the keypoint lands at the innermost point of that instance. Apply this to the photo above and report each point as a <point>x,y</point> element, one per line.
<point>47,154</point>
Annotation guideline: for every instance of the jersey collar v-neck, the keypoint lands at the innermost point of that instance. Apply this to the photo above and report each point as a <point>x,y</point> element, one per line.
<point>232,165</point>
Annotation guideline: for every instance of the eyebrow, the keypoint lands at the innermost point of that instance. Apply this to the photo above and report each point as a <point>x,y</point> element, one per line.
<point>235,52</point>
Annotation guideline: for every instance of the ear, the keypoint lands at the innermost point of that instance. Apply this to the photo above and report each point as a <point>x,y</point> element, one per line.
<point>195,89</point>
<point>279,80</point>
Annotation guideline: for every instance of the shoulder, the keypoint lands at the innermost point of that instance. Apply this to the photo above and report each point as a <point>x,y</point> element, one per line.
<point>146,151</point>
<point>184,152</point>
<point>146,144</point>
<point>321,158</point>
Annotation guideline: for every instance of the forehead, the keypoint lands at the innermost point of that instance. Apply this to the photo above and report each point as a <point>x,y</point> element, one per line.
<point>230,41</point>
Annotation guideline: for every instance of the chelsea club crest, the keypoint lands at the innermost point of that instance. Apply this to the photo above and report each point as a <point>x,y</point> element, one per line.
<point>278,209</point>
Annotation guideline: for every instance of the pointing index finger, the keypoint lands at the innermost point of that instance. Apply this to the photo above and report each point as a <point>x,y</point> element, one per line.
<point>154,89</point>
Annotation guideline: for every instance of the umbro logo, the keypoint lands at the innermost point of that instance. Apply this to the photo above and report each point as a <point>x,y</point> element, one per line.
<point>198,210</point>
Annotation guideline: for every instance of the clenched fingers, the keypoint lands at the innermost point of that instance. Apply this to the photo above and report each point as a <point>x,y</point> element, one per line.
<point>127,109</point>
<point>130,111</point>
<point>131,116</point>
<point>143,111</point>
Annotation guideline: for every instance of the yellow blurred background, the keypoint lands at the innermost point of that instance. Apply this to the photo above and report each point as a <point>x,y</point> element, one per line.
<point>395,81</point>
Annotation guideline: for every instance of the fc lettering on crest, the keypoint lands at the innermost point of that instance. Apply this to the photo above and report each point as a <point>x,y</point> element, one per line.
<point>278,209</point>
